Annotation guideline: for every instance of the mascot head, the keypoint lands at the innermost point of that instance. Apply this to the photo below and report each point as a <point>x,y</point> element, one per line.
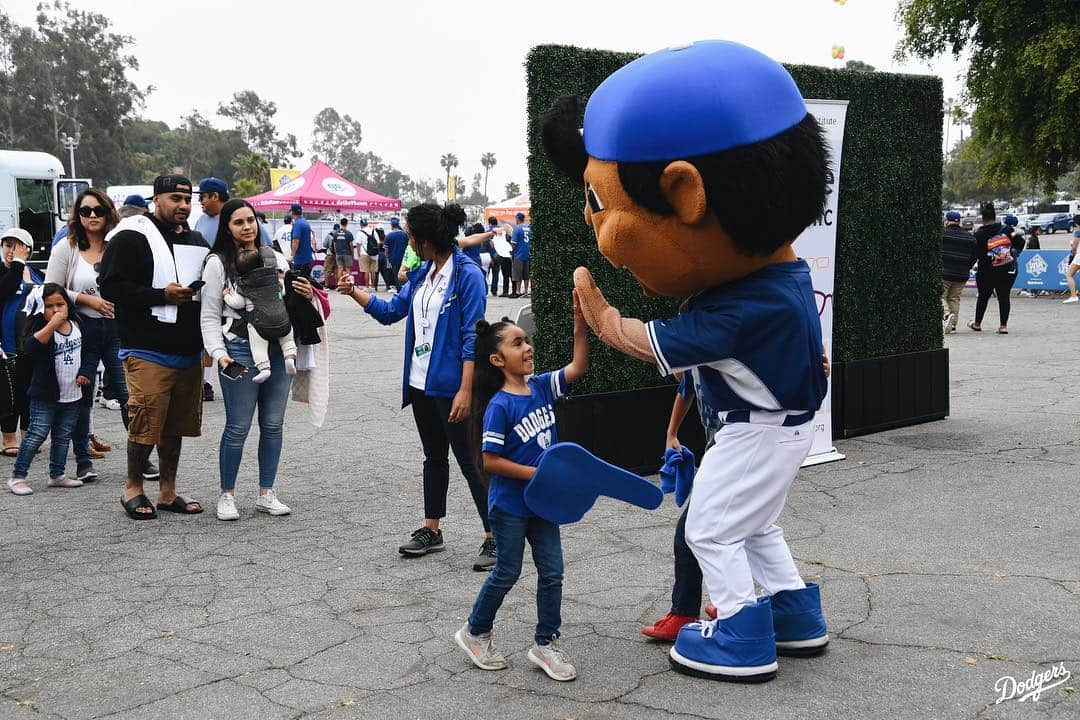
<point>700,165</point>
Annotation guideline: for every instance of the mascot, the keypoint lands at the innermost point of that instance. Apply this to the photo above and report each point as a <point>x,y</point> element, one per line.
<point>700,166</point>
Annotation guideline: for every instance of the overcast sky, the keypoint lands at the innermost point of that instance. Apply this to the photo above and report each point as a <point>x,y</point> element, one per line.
<point>426,78</point>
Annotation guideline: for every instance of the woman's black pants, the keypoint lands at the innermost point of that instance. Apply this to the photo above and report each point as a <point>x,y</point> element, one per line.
<point>994,282</point>
<point>438,436</point>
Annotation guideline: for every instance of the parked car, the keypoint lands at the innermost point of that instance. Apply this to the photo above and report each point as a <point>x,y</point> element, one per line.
<point>1051,222</point>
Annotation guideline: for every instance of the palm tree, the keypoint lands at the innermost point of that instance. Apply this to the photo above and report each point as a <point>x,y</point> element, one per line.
<point>251,166</point>
<point>448,161</point>
<point>488,161</point>
<point>512,189</point>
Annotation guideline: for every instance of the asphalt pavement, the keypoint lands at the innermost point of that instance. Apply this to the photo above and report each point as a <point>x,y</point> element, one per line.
<point>947,555</point>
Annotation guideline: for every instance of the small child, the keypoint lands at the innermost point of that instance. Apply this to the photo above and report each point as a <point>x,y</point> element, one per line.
<point>518,425</point>
<point>53,346</point>
<point>258,297</point>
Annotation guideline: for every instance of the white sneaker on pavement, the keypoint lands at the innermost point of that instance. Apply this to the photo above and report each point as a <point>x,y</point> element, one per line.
<point>268,503</point>
<point>65,482</point>
<point>19,486</point>
<point>1070,301</point>
<point>226,507</point>
<point>551,660</point>
<point>480,649</point>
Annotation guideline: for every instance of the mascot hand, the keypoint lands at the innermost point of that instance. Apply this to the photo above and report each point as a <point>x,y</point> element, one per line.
<point>626,335</point>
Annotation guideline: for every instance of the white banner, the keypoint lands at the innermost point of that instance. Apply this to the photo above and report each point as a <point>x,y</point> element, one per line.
<point>817,245</point>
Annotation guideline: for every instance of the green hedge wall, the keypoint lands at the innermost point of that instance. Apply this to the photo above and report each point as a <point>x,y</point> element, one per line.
<point>888,273</point>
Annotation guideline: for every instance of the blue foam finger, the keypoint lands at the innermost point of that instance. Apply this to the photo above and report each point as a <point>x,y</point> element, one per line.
<point>684,476</point>
<point>569,479</point>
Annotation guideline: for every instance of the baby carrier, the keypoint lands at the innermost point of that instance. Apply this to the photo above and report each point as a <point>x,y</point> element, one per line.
<point>258,282</point>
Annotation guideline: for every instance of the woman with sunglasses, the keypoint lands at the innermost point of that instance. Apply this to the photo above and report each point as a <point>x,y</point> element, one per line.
<point>74,265</point>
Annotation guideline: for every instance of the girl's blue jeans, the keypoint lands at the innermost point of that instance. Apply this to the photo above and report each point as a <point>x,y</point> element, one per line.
<point>511,532</point>
<point>47,418</point>
<point>241,398</point>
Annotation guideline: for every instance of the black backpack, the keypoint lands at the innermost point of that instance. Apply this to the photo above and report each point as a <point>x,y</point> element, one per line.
<point>372,245</point>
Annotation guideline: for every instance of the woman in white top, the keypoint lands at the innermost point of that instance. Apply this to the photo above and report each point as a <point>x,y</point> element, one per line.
<point>225,337</point>
<point>73,264</point>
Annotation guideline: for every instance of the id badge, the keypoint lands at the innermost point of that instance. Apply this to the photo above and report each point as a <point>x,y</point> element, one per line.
<point>422,350</point>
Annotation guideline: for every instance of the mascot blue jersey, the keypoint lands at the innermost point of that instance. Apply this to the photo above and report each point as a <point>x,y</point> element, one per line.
<point>756,342</point>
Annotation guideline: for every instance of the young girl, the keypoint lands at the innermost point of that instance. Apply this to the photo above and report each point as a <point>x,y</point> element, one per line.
<point>53,345</point>
<point>518,425</point>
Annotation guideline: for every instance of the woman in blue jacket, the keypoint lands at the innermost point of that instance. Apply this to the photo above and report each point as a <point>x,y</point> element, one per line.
<point>440,304</point>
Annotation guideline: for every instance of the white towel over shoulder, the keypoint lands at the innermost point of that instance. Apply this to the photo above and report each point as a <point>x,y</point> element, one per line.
<point>164,263</point>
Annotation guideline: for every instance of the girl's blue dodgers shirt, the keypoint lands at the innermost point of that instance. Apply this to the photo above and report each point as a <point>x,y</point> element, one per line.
<point>520,428</point>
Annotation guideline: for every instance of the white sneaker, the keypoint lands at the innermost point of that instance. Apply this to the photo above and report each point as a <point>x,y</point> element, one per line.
<point>226,507</point>
<point>480,649</point>
<point>268,503</point>
<point>1070,301</point>
<point>65,482</point>
<point>551,660</point>
<point>112,404</point>
<point>23,489</point>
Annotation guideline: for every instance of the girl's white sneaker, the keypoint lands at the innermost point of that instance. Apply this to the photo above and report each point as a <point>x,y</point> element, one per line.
<point>65,482</point>
<point>22,489</point>
<point>268,503</point>
<point>226,507</point>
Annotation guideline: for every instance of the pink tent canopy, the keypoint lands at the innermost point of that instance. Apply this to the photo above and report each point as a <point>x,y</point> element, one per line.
<point>320,188</point>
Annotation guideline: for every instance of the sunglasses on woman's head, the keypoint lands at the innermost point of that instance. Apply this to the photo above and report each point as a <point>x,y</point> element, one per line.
<point>96,210</point>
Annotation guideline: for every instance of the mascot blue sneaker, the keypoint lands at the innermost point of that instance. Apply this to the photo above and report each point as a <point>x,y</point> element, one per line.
<point>741,648</point>
<point>799,623</point>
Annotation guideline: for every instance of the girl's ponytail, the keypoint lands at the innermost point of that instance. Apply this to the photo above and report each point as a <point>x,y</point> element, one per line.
<point>487,380</point>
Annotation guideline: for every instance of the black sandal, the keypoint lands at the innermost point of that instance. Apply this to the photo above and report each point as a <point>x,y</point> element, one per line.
<point>180,505</point>
<point>139,501</point>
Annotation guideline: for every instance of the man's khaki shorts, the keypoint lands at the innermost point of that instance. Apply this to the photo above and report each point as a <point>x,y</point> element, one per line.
<point>163,402</point>
<point>369,264</point>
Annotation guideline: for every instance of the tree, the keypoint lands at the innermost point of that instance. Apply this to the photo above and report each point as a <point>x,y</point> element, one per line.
<point>964,178</point>
<point>253,168</point>
<point>67,74</point>
<point>448,162</point>
<point>488,161</point>
<point>1023,77</point>
<point>198,149</point>
<point>859,65</point>
<point>335,137</point>
<point>512,189</point>
<point>254,120</point>
<point>245,187</point>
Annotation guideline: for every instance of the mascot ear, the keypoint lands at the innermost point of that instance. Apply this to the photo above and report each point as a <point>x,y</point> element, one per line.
<point>684,190</point>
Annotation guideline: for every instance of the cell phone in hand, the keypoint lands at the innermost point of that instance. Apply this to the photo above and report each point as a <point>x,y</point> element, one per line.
<point>234,370</point>
<point>197,285</point>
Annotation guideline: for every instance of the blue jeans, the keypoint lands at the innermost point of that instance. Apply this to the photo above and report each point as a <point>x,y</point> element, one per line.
<point>100,342</point>
<point>511,532</point>
<point>46,417</point>
<point>241,397</point>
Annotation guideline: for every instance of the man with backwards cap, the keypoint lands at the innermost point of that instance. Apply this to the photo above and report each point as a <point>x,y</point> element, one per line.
<point>160,341</point>
<point>677,204</point>
<point>957,257</point>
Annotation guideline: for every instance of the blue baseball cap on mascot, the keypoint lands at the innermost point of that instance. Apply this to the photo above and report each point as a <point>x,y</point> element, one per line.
<point>682,153</point>
<point>690,100</point>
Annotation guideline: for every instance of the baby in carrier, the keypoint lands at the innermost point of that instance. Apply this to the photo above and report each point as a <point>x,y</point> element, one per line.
<point>259,299</point>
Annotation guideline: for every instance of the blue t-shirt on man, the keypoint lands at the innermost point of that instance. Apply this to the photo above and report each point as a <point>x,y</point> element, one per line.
<point>395,243</point>
<point>521,238</point>
<point>520,428</point>
<point>301,230</point>
<point>756,343</point>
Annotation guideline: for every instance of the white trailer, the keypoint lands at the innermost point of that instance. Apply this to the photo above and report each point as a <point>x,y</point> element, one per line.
<point>35,195</point>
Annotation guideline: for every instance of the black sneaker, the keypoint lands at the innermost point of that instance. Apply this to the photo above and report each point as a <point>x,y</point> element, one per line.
<point>486,560</point>
<point>207,392</point>
<point>84,472</point>
<point>423,542</point>
<point>150,471</point>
